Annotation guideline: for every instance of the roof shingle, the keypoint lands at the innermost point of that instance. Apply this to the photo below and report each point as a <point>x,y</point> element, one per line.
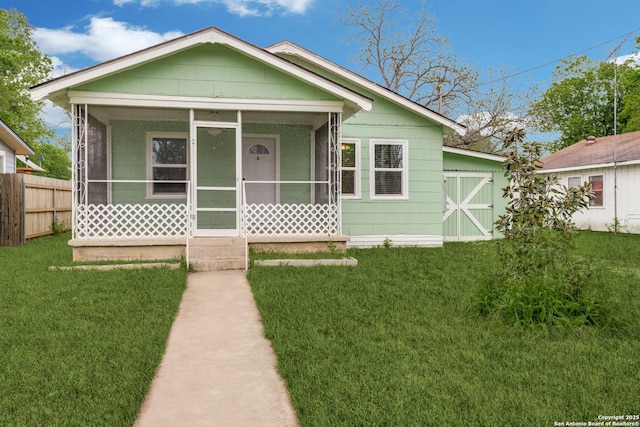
<point>585,153</point>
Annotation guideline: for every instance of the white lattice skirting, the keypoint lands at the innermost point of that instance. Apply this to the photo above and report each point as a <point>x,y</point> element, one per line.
<point>290,220</point>
<point>131,221</point>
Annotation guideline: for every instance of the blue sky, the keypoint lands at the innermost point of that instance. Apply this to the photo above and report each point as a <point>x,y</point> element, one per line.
<point>501,34</point>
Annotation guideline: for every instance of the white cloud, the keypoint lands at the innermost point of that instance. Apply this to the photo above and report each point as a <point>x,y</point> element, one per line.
<point>55,116</point>
<point>240,7</point>
<point>103,39</point>
<point>482,122</point>
<point>60,68</point>
<point>633,58</point>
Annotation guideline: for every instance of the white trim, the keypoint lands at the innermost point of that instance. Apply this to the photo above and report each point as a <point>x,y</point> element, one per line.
<point>288,48</point>
<point>404,169</point>
<point>29,163</point>
<point>208,35</point>
<point>400,240</point>
<point>357,169</point>
<point>10,138</point>
<point>450,174</point>
<point>237,126</point>
<point>579,177</point>
<point>604,183</point>
<point>150,136</point>
<point>197,102</point>
<point>110,163</point>
<point>3,161</point>
<point>467,238</point>
<point>464,206</point>
<point>587,167</point>
<point>475,154</point>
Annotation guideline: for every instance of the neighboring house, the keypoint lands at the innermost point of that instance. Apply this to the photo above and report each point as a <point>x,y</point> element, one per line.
<point>209,136</point>
<point>607,162</point>
<point>11,145</point>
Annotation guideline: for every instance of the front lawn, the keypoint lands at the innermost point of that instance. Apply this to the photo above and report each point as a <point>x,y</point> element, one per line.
<point>393,341</point>
<point>79,348</point>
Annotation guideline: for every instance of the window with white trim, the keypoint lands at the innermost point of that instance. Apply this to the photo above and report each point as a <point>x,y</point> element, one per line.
<point>167,155</point>
<point>597,186</point>
<point>389,169</point>
<point>350,167</point>
<point>3,159</point>
<point>574,181</point>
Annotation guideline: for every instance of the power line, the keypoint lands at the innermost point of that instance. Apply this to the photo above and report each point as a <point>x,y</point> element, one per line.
<point>627,35</point>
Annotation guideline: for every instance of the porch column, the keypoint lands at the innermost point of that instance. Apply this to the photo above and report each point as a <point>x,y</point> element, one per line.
<point>335,164</point>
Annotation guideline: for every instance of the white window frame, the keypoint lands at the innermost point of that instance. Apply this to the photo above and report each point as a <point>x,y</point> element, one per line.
<point>404,169</point>
<point>150,165</point>
<point>603,193</point>
<point>356,170</point>
<point>579,178</point>
<point>3,161</point>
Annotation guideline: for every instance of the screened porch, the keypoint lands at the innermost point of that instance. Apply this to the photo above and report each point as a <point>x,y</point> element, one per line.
<point>159,173</point>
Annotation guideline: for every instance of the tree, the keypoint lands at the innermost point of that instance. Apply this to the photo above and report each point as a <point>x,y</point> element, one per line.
<point>22,65</point>
<point>580,100</point>
<point>403,51</point>
<point>490,116</point>
<point>539,283</point>
<point>408,56</point>
<point>52,158</point>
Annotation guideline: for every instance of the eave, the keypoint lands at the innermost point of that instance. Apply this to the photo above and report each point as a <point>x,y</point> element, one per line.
<point>56,90</point>
<point>288,48</point>
<point>475,154</point>
<point>9,137</point>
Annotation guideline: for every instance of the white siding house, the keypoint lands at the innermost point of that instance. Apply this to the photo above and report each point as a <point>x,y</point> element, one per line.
<point>612,165</point>
<point>10,146</point>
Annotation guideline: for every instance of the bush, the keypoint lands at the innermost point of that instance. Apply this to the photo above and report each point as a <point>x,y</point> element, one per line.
<point>541,281</point>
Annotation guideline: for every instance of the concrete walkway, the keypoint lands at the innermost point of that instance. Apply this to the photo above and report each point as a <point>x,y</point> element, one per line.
<point>218,369</point>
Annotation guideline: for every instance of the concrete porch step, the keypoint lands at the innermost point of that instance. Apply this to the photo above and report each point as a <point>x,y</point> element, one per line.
<point>219,264</point>
<point>217,253</point>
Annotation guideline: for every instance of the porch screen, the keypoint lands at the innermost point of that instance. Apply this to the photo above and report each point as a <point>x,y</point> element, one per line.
<point>321,152</point>
<point>96,161</point>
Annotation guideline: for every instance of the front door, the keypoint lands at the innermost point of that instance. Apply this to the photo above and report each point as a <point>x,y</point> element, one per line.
<point>216,195</point>
<point>259,160</point>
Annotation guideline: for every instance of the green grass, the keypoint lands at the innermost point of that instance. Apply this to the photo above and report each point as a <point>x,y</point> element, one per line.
<point>393,341</point>
<point>79,348</point>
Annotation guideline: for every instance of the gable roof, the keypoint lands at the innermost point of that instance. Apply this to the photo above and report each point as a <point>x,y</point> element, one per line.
<point>9,137</point>
<point>55,89</point>
<point>289,48</point>
<point>586,155</point>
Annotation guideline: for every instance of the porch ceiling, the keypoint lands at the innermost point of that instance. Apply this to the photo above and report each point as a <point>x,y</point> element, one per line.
<point>107,113</point>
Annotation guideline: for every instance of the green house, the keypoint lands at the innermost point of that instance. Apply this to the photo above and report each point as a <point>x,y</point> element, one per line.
<point>207,144</point>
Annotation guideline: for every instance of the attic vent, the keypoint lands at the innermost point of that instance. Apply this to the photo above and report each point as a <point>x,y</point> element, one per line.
<point>591,139</point>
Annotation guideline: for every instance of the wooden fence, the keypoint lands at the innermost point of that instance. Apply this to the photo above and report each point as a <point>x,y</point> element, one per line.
<point>32,206</point>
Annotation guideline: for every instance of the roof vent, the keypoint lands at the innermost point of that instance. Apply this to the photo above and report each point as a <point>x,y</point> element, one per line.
<point>591,139</point>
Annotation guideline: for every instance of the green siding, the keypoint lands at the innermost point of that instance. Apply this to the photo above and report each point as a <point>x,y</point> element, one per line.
<point>208,70</point>
<point>295,158</point>
<point>421,214</point>
<point>130,157</point>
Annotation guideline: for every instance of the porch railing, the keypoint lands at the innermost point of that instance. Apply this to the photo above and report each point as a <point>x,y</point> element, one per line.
<point>133,220</point>
<point>289,219</point>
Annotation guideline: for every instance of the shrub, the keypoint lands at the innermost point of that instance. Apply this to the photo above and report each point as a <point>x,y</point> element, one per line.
<point>540,282</point>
